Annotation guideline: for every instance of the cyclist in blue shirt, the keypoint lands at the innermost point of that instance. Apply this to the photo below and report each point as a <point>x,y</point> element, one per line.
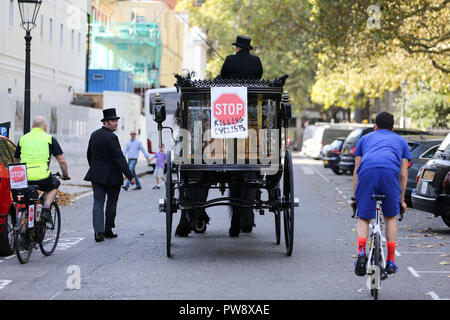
<point>381,167</point>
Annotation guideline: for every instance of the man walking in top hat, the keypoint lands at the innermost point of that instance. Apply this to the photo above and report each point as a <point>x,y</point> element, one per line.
<point>106,166</point>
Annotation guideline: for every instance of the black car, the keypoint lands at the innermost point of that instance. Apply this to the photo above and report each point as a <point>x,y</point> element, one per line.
<point>432,193</point>
<point>347,162</point>
<point>422,148</point>
<point>332,155</point>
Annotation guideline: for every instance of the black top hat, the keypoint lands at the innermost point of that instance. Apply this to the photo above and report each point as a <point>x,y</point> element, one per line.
<point>109,114</point>
<point>243,42</point>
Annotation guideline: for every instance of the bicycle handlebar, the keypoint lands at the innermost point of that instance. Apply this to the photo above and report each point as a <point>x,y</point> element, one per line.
<point>61,177</point>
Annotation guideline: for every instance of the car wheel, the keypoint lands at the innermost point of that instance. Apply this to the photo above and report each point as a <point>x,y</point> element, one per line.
<point>337,171</point>
<point>446,220</point>
<point>7,237</point>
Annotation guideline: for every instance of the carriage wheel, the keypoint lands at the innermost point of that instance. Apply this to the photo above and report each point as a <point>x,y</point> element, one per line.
<point>288,206</point>
<point>278,226</point>
<point>169,197</point>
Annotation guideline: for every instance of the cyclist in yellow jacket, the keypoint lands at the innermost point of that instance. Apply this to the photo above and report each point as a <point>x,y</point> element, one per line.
<point>35,149</point>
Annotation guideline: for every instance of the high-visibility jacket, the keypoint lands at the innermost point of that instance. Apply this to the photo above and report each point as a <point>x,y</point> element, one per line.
<point>35,152</point>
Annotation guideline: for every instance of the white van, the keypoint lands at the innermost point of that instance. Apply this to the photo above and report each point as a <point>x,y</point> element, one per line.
<point>171,98</point>
<point>325,133</point>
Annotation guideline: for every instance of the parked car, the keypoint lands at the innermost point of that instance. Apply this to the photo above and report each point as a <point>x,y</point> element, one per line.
<point>7,209</point>
<point>332,155</point>
<point>347,162</point>
<point>324,133</point>
<point>422,148</point>
<point>432,193</point>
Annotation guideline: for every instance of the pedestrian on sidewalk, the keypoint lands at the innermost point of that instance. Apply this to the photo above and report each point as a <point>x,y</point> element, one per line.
<point>161,159</point>
<point>132,148</point>
<point>106,166</point>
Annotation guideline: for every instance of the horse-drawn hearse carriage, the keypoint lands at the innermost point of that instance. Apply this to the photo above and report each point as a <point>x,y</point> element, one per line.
<point>231,134</point>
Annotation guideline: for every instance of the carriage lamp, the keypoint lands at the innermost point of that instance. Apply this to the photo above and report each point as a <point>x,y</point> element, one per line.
<point>159,114</point>
<point>28,13</point>
<point>286,111</point>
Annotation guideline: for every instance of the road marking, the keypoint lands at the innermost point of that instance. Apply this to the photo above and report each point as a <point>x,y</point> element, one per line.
<point>422,252</point>
<point>321,175</point>
<point>307,170</point>
<point>442,272</point>
<point>67,243</point>
<point>413,272</point>
<point>55,295</point>
<point>434,296</point>
<point>397,253</point>
<point>82,196</point>
<point>4,283</point>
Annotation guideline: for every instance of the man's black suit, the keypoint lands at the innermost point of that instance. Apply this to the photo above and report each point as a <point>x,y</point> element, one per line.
<point>242,65</point>
<point>106,165</point>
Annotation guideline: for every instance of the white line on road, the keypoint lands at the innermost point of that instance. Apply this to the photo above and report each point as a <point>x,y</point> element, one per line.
<point>4,283</point>
<point>397,253</point>
<point>413,272</point>
<point>83,195</point>
<point>307,170</point>
<point>55,295</point>
<point>422,252</point>
<point>321,175</point>
<point>437,272</point>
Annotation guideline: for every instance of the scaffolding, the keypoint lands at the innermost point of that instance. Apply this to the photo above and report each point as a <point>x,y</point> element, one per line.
<point>134,47</point>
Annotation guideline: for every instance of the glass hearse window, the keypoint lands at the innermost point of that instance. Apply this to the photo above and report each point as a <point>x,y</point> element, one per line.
<point>170,101</point>
<point>261,115</point>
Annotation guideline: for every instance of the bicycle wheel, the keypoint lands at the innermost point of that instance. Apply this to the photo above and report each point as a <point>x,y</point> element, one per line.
<point>288,195</point>
<point>376,280</point>
<point>51,231</point>
<point>22,240</point>
<point>169,196</point>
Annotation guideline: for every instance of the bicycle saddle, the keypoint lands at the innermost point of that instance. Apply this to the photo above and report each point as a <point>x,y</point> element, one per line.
<point>378,197</point>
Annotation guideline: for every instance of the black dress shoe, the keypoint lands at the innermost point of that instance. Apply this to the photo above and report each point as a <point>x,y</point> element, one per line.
<point>125,188</point>
<point>137,188</point>
<point>110,235</point>
<point>99,236</point>
<point>234,233</point>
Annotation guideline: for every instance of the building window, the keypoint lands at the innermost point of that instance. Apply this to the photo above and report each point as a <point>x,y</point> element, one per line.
<point>79,42</point>
<point>61,36</point>
<point>42,26</point>
<point>11,13</point>
<point>72,40</point>
<point>50,23</point>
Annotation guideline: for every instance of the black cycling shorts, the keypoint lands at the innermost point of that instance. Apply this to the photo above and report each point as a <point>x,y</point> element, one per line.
<point>47,184</point>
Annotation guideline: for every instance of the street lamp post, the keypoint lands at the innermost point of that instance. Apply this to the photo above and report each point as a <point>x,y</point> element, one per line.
<point>28,13</point>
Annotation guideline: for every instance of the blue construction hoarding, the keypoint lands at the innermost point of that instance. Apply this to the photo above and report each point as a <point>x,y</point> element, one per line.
<point>110,80</point>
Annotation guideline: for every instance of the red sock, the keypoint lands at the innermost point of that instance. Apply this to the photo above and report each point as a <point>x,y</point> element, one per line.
<point>361,244</point>
<point>391,250</point>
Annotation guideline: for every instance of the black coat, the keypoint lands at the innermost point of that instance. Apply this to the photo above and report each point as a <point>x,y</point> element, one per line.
<point>106,159</point>
<point>242,65</point>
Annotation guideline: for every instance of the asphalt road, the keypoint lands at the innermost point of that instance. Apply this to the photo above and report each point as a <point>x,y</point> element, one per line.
<point>215,266</point>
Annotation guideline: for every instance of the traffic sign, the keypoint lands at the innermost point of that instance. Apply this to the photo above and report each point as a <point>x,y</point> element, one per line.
<point>229,112</point>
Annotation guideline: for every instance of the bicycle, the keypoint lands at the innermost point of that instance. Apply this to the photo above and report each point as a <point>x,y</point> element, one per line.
<point>376,260</point>
<point>29,229</point>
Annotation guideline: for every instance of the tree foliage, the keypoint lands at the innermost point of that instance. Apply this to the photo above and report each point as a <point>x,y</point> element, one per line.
<point>338,53</point>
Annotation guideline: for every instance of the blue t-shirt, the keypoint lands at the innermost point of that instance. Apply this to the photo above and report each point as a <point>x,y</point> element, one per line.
<point>381,149</point>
